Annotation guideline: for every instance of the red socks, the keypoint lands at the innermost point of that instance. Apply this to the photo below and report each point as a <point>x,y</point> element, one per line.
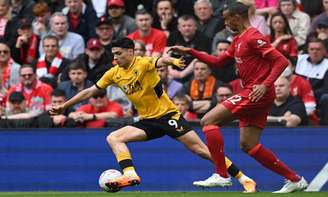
<point>215,143</point>
<point>270,161</point>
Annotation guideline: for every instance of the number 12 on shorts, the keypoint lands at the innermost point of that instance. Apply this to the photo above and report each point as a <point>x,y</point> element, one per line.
<point>234,99</point>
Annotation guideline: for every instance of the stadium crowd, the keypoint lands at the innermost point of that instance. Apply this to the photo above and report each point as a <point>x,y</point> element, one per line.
<point>50,50</point>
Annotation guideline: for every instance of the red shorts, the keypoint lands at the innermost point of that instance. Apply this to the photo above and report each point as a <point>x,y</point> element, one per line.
<point>250,113</point>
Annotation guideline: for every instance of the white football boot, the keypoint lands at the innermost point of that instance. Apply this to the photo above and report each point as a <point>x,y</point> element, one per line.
<point>293,186</point>
<point>214,181</point>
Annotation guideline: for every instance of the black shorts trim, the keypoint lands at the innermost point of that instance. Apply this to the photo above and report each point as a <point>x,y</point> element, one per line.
<point>166,125</point>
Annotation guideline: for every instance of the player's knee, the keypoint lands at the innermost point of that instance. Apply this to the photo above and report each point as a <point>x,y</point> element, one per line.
<point>244,146</point>
<point>112,138</point>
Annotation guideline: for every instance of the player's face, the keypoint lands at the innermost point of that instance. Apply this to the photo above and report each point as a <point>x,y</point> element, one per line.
<point>232,22</point>
<point>122,57</point>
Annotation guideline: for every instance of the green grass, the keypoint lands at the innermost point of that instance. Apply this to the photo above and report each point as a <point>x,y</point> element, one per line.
<point>158,194</point>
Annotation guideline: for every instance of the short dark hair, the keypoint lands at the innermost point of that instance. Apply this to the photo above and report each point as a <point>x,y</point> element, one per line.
<point>76,65</point>
<point>28,66</point>
<point>237,8</point>
<point>58,93</point>
<point>317,40</point>
<point>125,43</point>
<point>16,97</point>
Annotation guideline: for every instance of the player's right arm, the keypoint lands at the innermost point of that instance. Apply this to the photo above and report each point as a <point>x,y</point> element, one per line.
<point>211,60</point>
<point>83,95</point>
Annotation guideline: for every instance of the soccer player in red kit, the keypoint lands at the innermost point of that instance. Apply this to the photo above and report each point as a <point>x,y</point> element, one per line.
<point>258,65</point>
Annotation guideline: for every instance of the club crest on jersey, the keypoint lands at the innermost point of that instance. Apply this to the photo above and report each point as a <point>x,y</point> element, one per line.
<point>261,43</point>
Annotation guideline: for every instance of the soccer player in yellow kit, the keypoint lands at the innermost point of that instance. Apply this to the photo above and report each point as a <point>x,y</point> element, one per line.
<point>138,78</point>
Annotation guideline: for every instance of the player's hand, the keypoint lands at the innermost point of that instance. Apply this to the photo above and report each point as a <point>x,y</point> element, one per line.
<point>257,92</point>
<point>180,49</point>
<point>179,62</point>
<point>57,109</point>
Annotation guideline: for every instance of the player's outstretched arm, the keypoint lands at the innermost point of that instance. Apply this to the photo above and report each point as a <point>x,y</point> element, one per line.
<point>211,60</point>
<point>83,95</point>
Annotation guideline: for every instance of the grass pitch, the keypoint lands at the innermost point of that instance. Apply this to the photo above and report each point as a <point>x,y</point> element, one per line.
<point>158,194</point>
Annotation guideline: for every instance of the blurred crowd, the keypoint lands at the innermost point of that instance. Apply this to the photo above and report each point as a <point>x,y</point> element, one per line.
<point>50,50</point>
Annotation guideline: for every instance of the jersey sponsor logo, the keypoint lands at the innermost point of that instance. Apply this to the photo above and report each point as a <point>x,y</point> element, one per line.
<point>261,43</point>
<point>132,88</point>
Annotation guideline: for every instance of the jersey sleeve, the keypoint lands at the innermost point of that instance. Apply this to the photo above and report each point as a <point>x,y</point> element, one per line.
<point>150,62</point>
<point>106,79</point>
<point>259,44</point>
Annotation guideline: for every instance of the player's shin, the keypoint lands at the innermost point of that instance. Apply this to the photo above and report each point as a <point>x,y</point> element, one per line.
<point>269,160</point>
<point>215,143</point>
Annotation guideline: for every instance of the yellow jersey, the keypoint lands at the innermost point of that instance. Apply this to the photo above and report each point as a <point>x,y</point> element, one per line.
<point>142,85</point>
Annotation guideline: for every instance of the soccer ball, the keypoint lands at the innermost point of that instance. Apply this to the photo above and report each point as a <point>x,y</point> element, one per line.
<point>106,176</point>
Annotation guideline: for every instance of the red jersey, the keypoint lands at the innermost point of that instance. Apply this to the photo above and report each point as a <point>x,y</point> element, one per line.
<point>37,99</point>
<point>250,51</point>
<point>111,107</point>
<point>302,88</point>
<point>154,42</point>
<point>287,47</point>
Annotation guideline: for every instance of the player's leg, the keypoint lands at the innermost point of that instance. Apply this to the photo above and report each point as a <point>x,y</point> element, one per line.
<point>213,136</point>
<point>192,142</point>
<point>249,142</point>
<point>117,141</point>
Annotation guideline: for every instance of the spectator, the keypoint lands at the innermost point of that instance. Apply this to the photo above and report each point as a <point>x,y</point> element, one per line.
<point>44,120</point>
<point>171,86</point>
<point>228,72</point>
<point>81,17</point>
<point>282,38</point>
<point>208,25</point>
<point>51,64</point>
<point>301,87</point>
<point>95,114</point>
<point>55,5</point>
<point>188,36</point>
<point>321,31</point>
<point>323,15</point>
<point>182,101</point>
<point>314,66</point>
<point>104,31</point>
<point>5,17</point>
<point>9,69</point>
<point>21,9</point>
<point>123,24</point>
<point>40,24</point>
<point>154,39</point>
<point>139,48</point>
<point>164,16</point>
<point>77,73</point>
<point>201,89</point>
<point>25,48</point>
<point>36,93</point>
<point>299,21</point>
<point>223,92</point>
<point>96,60</point>
<point>287,109</point>
<point>16,104</point>
<point>70,44</point>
